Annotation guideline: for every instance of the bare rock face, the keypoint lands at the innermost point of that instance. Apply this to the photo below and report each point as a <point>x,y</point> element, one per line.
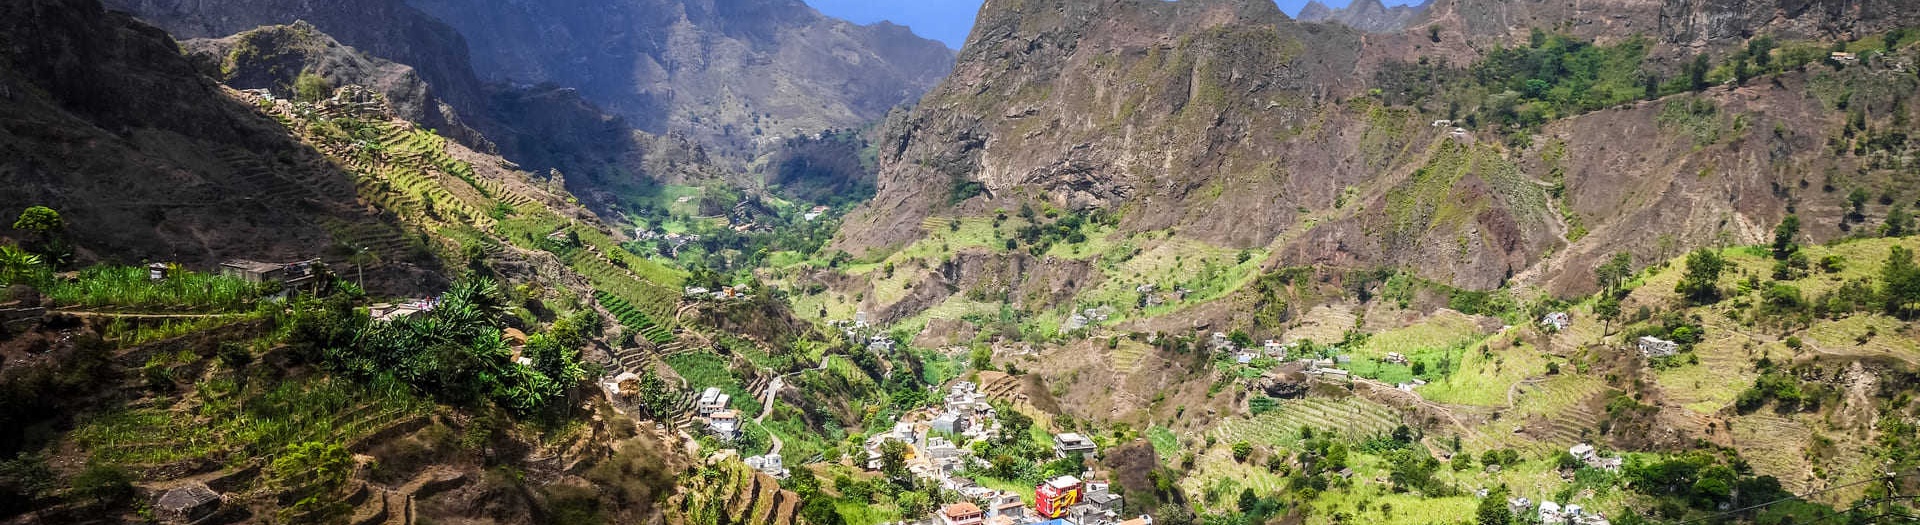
<point>1366,15</point>
<point>734,73</point>
<point>388,29</point>
<point>1222,121</point>
<point>273,57</point>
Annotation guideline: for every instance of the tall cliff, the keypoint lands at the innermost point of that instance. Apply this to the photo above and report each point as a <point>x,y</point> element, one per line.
<point>734,73</point>
<point>1224,123</point>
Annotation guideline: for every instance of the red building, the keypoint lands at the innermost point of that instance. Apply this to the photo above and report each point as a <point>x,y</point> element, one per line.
<point>1053,498</point>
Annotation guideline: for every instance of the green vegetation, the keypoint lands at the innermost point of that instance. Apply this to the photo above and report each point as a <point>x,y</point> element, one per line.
<point>311,88</point>
<point>128,287</point>
<point>456,353</point>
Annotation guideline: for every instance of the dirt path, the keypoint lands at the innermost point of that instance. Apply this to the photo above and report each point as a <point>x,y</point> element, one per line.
<point>115,315</point>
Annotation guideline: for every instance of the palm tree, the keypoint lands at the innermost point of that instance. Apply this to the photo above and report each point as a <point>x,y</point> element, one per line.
<point>362,256</point>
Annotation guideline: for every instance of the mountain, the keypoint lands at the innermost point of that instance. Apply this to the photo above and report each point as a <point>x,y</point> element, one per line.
<point>108,123</point>
<point>1366,15</point>
<point>273,57</point>
<point>388,29</point>
<point>1225,126</point>
<point>737,73</point>
<point>1681,23</point>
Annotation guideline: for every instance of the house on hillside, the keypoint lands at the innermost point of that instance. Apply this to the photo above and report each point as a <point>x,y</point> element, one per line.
<point>711,400</point>
<point>724,424</point>
<point>1558,321</point>
<point>294,274</point>
<point>1274,349</point>
<point>1070,443</point>
<point>962,513</point>
<point>1651,346</point>
<point>950,423</point>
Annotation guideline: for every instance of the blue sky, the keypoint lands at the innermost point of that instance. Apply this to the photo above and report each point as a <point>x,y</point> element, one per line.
<point>949,20</point>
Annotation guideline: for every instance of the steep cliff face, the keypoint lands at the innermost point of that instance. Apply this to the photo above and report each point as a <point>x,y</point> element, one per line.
<point>388,29</point>
<point>1173,110</point>
<point>1223,123</point>
<point>104,120</point>
<point>1366,15</point>
<point>273,57</point>
<point>735,73</point>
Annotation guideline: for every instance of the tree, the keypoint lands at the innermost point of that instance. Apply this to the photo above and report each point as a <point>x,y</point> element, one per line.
<point>982,358</point>
<point>1614,272</point>
<point>914,503</point>
<point>1697,72</point>
<point>893,460</point>
<point>1899,222</point>
<point>1171,513</point>
<point>1701,283</point>
<point>44,225</point>
<point>311,88</point>
<point>1901,281</point>
<point>1242,450</point>
<point>1783,236</point>
<point>1857,202</point>
<point>1608,309</point>
<point>1761,49</point>
<point>1493,509</point>
<point>361,257</point>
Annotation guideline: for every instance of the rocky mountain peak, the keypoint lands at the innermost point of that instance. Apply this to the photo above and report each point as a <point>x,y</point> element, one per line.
<point>1366,15</point>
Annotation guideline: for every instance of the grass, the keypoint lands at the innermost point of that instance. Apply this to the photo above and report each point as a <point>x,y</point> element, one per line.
<point>1483,377</point>
<point>704,370</point>
<point>125,332</point>
<point>128,287</point>
<point>1352,417</point>
<point>1165,443</point>
<point>235,423</point>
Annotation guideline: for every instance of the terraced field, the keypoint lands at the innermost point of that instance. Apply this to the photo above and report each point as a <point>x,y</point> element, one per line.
<point>154,437</point>
<point>1352,417</point>
<point>633,320</point>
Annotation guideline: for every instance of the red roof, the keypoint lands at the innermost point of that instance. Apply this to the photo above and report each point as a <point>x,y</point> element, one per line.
<point>962,509</point>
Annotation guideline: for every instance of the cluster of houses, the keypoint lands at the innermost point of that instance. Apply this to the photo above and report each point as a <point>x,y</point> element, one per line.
<point>1552,513</point>
<point>1150,295</point>
<point>1066,500</point>
<point>936,450</point>
<point>1082,319</point>
<point>725,293</point>
<point>674,241</point>
<point>815,213</point>
<point>712,409</point>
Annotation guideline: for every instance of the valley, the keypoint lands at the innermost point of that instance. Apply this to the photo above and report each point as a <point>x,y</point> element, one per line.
<point>1112,263</point>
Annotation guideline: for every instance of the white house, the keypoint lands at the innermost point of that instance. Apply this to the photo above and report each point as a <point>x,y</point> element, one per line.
<point>711,400</point>
<point>1651,346</point>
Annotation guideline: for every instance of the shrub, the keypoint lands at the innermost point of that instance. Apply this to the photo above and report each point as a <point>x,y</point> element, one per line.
<point>103,484</point>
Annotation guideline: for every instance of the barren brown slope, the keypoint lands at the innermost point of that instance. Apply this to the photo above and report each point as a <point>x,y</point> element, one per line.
<point>105,121</point>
